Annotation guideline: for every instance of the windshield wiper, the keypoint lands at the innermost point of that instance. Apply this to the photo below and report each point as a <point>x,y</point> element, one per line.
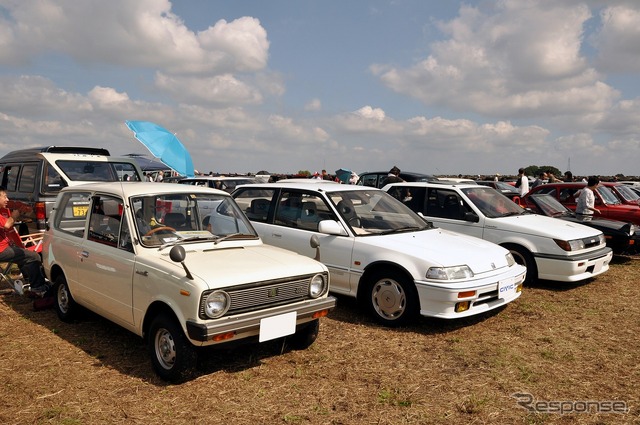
<point>509,214</point>
<point>403,229</point>
<point>189,239</point>
<point>232,236</point>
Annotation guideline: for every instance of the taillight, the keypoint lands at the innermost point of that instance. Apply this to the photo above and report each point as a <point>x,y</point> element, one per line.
<point>40,211</point>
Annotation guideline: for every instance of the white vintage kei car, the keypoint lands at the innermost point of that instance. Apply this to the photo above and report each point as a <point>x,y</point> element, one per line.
<point>180,266</point>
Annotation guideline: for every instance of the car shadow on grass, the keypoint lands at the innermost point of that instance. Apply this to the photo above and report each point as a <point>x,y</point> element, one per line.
<point>111,346</point>
<point>350,311</point>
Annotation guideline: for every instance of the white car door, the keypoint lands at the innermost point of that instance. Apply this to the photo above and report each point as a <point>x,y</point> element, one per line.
<point>107,261</point>
<point>296,220</point>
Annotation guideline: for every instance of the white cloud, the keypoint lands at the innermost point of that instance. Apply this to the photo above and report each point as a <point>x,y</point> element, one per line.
<point>503,64</point>
<point>141,33</point>
<point>313,105</point>
<point>618,40</point>
<point>220,89</point>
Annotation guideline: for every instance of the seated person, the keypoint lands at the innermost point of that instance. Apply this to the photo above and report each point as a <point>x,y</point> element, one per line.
<point>28,261</point>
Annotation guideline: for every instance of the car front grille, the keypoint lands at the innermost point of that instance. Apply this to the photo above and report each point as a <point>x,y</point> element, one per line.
<point>261,295</point>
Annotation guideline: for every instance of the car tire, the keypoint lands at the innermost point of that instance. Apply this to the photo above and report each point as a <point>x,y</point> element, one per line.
<point>305,336</point>
<point>173,357</point>
<point>524,258</point>
<point>392,299</point>
<point>65,305</point>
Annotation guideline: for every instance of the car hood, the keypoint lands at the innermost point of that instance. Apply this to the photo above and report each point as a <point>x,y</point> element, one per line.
<point>541,225</point>
<point>225,267</point>
<point>442,247</point>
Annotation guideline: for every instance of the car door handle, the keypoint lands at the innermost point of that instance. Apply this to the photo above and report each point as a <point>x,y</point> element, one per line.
<point>276,235</point>
<point>142,272</point>
<point>84,254</point>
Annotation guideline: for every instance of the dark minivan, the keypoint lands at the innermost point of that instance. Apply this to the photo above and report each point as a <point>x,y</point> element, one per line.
<point>33,177</point>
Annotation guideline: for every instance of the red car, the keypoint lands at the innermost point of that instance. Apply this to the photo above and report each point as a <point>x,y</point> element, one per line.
<point>606,200</point>
<point>626,194</point>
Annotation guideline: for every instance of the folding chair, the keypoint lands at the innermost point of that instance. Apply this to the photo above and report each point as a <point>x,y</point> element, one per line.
<point>9,272</point>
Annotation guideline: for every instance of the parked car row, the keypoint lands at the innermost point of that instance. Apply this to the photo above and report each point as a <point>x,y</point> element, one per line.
<point>215,261</point>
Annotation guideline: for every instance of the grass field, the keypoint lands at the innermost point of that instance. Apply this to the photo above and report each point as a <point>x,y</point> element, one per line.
<point>561,347</point>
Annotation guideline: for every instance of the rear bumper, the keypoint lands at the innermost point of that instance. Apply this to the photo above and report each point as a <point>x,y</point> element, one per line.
<point>248,324</point>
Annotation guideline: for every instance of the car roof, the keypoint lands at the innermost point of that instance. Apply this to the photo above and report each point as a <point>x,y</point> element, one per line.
<point>320,185</point>
<point>439,183</point>
<point>140,188</point>
<point>203,178</point>
<point>29,153</point>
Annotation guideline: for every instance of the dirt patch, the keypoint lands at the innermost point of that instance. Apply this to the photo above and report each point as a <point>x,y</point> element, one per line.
<point>557,343</point>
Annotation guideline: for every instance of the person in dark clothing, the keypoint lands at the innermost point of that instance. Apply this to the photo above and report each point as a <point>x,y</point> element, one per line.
<point>392,177</point>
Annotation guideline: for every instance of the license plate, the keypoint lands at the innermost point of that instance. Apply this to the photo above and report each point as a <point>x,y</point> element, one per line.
<point>506,287</point>
<point>277,326</point>
<point>80,211</point>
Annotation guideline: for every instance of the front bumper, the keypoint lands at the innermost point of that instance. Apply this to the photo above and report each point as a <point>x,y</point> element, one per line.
<point>440,299</point>
<point>248,324</point>
<point>573,269</point>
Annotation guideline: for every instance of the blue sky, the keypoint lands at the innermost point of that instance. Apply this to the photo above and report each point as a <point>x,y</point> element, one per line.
<point>440,87</point>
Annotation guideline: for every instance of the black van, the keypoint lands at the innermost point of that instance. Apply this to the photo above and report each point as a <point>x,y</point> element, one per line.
<point>33,177</point>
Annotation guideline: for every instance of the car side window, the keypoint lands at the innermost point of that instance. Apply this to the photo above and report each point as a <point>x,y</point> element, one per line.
<point>445,204</point>
<point>255,202</point>
<point>27,181</point>
<point>53,181</point>
<point>10,177</point>
<point>105,219</point>
<point>71,216</point>
<point>301,210</point>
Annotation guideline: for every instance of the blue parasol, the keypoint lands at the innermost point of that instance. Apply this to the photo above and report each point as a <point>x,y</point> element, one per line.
<point>164,145</point>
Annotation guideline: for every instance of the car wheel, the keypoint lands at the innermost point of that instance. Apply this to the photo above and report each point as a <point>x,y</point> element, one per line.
<point>392,299</point>
<point>66,307</point>
<point>525,258</point>
<point>305,336</point>
<point>173,357</point>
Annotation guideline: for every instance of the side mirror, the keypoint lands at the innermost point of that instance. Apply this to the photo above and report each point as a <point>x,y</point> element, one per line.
<point>178,254</point>
<point>331,227</point>
<point>471,217</point>
<point>314,241</point>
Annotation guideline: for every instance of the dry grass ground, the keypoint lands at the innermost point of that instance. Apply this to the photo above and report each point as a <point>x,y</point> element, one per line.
<point>557,342</point>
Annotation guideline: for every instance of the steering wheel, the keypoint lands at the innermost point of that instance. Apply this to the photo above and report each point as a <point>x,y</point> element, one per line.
<point>158,229</point>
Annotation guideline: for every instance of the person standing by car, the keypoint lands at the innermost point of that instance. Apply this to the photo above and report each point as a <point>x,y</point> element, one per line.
<point>585,206</point>
<point>542,178</point>
<point>392,177</point>
<point>28,261</point>
<point>522,183</point>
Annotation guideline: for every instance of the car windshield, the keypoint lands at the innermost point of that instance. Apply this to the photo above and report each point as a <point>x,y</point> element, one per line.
<point>492,203</point>
<point>505,187</point>
<point>627,193</point>
<point>549,205</point>
<point>171,218</point>
<point>98,171</point>
<point>607,195</point>
<point>374,212</point>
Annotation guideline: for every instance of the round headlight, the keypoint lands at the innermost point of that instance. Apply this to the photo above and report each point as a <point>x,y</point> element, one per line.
<point>318,286</point>
<point>216,304</point>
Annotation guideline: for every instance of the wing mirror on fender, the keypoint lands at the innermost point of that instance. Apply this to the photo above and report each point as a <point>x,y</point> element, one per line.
<point>178,254</point>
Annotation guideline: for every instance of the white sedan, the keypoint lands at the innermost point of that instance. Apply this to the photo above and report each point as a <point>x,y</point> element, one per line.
<point>381,252</point>
<point>550,249</point>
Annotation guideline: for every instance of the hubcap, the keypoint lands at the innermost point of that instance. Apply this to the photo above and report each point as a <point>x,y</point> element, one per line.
<point>63,299</point>
<point>165,348</point>
<point>389,299</point>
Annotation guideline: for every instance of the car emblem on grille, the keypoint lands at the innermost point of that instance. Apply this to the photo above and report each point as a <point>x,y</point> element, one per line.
<point>273,292</point>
